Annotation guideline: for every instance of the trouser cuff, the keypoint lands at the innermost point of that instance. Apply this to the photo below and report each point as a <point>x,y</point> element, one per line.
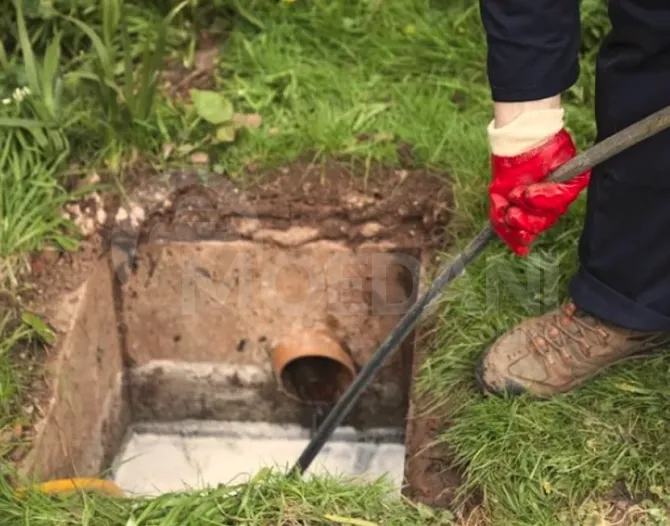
<point>595,297</point>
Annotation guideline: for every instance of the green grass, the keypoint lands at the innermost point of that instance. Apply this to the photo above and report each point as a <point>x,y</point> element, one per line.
<point>320,74</point>
<point>269,498</point>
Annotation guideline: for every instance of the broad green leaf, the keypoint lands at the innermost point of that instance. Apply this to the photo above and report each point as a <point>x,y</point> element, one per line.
<point>225,133</point>
<point>212,106</point>
<point>41,328</point>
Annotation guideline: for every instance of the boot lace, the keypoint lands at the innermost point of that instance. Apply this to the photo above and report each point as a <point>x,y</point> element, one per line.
<point>558,334</point>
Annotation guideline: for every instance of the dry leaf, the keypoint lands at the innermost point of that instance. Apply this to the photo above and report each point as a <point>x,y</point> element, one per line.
<point>630,388</point>
<point>92,179</point>
<point>6,436</point>
<point>203,60</point>
<point>200,158</point>
<point>167,150</point>
<point>248,120</point>
<point>349,520</point>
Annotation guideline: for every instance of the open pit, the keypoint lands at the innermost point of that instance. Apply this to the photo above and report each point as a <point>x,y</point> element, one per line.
<point>164,376</point>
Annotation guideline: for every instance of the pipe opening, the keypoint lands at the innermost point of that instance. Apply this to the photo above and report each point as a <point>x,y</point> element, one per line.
<point>316,380</point>
<point>313,367</point>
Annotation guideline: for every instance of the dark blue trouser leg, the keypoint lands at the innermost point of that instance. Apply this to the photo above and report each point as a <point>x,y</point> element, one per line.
<point>625,245</point>
<point>533,47</point>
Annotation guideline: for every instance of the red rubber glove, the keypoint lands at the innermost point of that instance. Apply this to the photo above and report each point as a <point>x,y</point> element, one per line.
<point>522,206</point>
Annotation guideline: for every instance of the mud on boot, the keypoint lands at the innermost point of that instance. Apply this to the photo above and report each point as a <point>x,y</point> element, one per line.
<point>556,352</point>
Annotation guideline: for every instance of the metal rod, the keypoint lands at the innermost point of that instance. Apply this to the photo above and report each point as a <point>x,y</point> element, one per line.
<point>598,153</point>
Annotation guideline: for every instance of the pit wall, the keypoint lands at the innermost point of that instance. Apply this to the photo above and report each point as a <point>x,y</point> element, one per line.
<point>191,352</point>
<point>88,411</point>
<point>202,318</point>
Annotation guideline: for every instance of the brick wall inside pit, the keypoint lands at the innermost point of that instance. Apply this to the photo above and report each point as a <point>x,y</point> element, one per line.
<point>228,302</point>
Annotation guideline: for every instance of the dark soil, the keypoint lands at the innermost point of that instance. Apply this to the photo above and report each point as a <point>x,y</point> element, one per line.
<point>177,79</point>
<point>430,475</point>
<point>15,439</point>
<point>411,208</point>
<point>334,201</point>
<point>57,273</point>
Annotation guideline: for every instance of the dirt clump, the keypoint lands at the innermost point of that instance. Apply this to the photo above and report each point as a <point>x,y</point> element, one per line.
<point>303,202</point>
<point>177,79</point>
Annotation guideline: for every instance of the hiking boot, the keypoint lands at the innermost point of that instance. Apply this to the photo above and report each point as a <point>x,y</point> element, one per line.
<point>558,351</point>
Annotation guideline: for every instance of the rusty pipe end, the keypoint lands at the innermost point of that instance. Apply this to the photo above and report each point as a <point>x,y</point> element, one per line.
<point>312,366</point>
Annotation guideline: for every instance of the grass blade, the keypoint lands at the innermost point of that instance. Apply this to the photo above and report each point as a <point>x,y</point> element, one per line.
<point>10,122</point>
<point>111,15</point>
<point>49,72</point>
<point>151,67</point>
<point>101,50</point>
<point>27,50</point>
<point>128,69</point>
<point>4,62</point>
<point>175,11</point>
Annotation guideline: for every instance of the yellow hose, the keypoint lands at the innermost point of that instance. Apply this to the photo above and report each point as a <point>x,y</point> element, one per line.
<point>57,487</point>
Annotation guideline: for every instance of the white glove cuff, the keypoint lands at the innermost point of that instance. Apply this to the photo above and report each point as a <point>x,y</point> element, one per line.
<point>529,129</point>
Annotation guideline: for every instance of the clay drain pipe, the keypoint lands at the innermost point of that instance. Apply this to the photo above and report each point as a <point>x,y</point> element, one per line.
<point>312,367</point>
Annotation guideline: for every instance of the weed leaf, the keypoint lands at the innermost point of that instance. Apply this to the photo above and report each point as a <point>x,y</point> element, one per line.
<point>41,328</point>
<point>212,106</point>
<point>225,133</point>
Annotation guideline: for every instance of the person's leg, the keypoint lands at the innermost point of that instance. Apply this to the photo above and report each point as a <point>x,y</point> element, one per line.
<point>625,245</point>
<point>620,304</point>
<point>533,47</point>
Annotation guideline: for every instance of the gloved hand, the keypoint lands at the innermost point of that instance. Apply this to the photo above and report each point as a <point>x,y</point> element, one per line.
<point>523,154</point>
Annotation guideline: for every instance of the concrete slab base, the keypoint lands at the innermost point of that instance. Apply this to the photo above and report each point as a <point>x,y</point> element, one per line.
<point>160,458</point>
